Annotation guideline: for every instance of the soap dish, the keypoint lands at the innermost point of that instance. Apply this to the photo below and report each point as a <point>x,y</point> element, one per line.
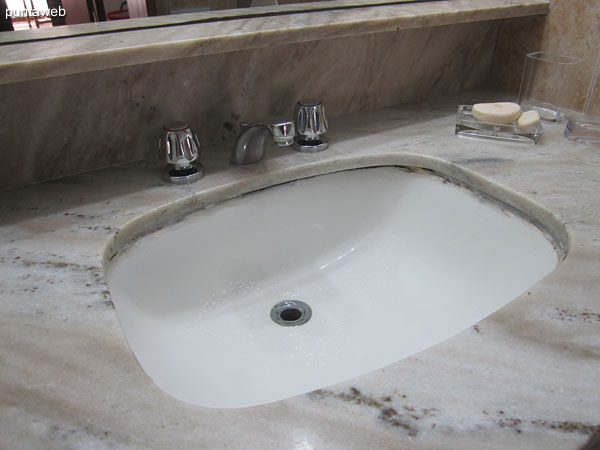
<point>467,125</point>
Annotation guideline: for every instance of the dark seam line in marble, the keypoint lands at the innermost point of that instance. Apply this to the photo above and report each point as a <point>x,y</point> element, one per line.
<point>216,19</point>
<point>559,246</point>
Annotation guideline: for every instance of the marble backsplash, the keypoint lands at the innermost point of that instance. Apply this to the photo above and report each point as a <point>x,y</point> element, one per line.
<point>69,124</point>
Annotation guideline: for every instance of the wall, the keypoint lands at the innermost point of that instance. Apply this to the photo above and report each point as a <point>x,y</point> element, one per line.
<point>572,28</point>
<point>70,124</point>
<point>112,5</point>
<point>137,8</point>
<point>77,11</point>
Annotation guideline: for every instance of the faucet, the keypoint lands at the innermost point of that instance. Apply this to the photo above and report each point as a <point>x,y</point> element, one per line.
<point>249,147</point>
<point>311,126</point>
<point>179,148</point>
<point>310,123</point>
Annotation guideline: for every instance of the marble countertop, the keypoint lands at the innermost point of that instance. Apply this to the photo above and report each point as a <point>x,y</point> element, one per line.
<point>525,377</point>
<point>30,60</point>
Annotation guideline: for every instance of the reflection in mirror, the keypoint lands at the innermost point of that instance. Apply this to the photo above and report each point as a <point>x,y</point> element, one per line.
<point>39,20</point>
<point>145,8</point>
<point>84,17</point>
<point>35,14</point>
<point>28,14</point>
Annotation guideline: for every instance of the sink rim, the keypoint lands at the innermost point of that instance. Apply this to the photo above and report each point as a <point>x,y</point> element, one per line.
<point>196,200</point>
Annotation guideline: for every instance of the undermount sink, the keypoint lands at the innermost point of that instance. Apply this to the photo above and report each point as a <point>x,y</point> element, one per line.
<point>389,261</point>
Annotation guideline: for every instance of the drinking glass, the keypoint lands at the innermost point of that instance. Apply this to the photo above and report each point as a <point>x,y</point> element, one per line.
<point>584,126</point>
<point>547,84</point>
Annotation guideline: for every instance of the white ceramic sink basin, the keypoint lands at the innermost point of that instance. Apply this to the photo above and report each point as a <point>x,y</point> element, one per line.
<point>391,262</point>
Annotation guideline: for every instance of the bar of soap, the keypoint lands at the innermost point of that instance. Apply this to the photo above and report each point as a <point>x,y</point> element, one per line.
<point>529,119</point>
<point>500,113</point>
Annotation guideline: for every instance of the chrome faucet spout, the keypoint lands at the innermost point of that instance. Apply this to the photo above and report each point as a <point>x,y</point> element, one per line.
<point>250,145</point>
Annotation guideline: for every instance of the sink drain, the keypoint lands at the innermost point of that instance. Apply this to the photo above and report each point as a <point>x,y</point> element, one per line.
<point>291,313</point>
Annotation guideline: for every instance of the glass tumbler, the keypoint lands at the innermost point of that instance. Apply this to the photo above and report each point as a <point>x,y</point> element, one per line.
<point>584,126</point>
<point>547,84</point>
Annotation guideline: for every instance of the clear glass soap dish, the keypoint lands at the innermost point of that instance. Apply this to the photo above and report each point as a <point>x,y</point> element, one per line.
<point>467,125</point>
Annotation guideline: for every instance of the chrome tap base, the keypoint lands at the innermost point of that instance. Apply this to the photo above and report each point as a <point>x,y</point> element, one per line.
<point>310,146</point>
<point>184,176</point>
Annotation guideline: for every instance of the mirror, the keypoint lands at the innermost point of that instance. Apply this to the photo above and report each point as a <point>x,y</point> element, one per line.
<point>34,20</point>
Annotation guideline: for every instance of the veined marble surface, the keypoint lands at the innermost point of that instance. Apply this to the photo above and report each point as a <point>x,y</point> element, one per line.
<point>35,60</point>
<point>525,377</point>
<point>117,115</point>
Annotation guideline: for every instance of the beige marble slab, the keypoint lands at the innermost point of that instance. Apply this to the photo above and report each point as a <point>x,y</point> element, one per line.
<point>117,115</point>
<point>523,378</point>
<point>28,61</point>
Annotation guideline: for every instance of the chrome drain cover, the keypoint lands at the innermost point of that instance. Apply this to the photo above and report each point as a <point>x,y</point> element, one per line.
<point>291,313</point>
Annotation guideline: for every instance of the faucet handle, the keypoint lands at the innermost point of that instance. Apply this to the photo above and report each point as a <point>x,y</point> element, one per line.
<point>283,132</point>
<point>312,125</point>
<point>181,150</point>
<point>181,145</point>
